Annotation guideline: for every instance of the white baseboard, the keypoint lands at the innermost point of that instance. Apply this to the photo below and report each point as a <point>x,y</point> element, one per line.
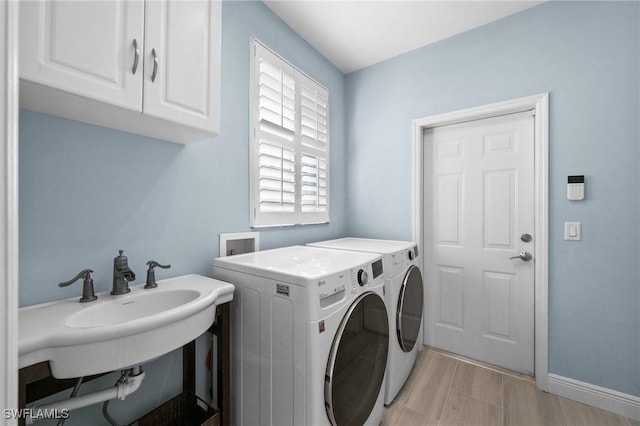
<point>617,402</point>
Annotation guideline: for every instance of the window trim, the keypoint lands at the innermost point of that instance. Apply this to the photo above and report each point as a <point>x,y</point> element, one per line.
<point>297,217</point>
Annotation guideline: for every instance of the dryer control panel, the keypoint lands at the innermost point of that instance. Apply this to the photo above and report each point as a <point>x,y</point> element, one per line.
<point>376,268</point>
<point>412,253</point>
<point>398,262</point>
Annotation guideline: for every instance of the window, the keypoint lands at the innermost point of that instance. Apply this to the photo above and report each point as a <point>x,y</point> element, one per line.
<point>290,143</point>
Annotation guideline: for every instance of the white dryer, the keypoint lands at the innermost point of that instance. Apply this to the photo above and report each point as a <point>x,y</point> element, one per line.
<point>404,296</point>
<point>309,336</point>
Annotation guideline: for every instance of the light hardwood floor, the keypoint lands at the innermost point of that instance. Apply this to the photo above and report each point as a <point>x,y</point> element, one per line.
<point>444,390</point>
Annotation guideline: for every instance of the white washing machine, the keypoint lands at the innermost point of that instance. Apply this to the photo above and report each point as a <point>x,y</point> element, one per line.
<point>310,336</point>
<point>404,298</point>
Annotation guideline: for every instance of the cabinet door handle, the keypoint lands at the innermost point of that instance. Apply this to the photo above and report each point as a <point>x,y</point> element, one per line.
<point>135,57</point>
<point>155,65</point>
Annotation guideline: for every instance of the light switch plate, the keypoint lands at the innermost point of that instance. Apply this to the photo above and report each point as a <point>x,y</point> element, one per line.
<point>572,231</point>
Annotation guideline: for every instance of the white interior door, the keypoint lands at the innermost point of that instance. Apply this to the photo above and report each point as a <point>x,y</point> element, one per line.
<point>479,219</point>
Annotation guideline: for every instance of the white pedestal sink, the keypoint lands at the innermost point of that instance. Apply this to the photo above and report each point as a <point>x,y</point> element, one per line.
<point>115,332</point>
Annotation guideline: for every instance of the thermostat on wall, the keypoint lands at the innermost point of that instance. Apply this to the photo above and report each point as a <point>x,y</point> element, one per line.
<point>575,188</point>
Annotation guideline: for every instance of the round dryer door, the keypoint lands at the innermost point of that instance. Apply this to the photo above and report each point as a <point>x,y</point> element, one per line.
<point>357,361</point>
<point>410,309</point>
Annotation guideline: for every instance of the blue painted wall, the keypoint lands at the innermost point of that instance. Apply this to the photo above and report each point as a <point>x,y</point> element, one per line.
<point>87,191</point>
<point>587,55</point>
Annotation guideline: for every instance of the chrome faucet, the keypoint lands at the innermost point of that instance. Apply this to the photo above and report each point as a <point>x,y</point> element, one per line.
<point>122,275</point>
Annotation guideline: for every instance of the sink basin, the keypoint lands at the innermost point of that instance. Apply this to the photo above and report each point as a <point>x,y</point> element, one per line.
<point>115,332</point>
<point>139,305</point>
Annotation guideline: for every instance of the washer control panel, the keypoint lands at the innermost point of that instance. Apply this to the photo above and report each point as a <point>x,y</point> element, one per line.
<point>348,284</point>
<point>366,275</point>
<point>363,277</point>
<point>332,289</point>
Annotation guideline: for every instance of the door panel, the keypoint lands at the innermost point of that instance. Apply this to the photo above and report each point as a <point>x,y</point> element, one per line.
<point>449,206</point>
<point>499,197</point>
<point>479,199</point>
<point>498,290</point>
<point>183,45</point>
<point>449,296</point>
<point>84,48</point>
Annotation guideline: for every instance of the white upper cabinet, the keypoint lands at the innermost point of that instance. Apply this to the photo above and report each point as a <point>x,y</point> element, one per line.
<point>86,48</point>
<point>151,68</point>
<point>182,62</point>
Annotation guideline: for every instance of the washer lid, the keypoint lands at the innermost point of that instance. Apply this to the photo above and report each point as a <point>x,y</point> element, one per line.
<point>366,245</point>
<point>295,264</point>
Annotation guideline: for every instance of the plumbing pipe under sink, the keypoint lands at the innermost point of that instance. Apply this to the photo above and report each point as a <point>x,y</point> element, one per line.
<point>123,388</point>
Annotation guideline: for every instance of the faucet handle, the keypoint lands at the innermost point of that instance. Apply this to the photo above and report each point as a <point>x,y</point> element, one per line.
<point>88,295</point>
<point>152,264</point>
<point>151,275</point>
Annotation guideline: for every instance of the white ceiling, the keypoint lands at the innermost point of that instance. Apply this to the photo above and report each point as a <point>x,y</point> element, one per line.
<point>355,34</point>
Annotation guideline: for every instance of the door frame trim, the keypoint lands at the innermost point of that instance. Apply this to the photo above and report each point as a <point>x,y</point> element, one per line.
<point>540,105</point>
<point>9,206</point>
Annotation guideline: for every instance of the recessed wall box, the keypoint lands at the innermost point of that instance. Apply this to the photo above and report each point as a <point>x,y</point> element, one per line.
<point>239,243</point>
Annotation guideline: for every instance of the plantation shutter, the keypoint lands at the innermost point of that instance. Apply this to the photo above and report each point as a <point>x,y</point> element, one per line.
<point>290,169</point>
<point>314,148</point>
<point>276,137</point>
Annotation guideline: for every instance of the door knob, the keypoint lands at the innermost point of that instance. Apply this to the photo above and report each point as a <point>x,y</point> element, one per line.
<point>525,256</point>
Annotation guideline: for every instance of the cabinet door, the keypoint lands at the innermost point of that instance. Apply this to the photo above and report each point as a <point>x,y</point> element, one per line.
<point>84,47</point>
<point>182,62</point>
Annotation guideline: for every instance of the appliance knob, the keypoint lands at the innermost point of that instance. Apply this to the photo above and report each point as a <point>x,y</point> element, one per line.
<point>363,277</point>
<point>411,256</point>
